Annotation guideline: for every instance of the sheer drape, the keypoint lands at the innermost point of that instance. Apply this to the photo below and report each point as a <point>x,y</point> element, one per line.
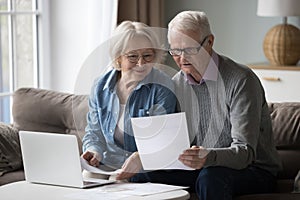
<point>102,21</point>
<point>147,11</point>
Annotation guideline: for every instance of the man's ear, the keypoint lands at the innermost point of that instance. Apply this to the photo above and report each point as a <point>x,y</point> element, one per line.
<point>210,41</point>
<point>209,44</point>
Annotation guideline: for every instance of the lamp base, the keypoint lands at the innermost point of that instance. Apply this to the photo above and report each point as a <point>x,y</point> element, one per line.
<point>282,45</point>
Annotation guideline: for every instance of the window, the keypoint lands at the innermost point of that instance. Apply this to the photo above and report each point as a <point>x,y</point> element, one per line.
<point>18,50</point>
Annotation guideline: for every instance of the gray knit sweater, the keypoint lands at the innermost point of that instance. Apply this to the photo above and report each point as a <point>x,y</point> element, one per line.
<point>230,117</point>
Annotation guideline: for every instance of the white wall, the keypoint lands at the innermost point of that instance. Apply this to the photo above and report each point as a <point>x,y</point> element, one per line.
<point>238,31</point>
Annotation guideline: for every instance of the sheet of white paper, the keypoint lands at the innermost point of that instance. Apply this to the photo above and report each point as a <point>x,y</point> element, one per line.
<point>123,190</point>
<point>93,193</point>
<point>160,140</point>
<point>140,189</point>
<point>86,166</point>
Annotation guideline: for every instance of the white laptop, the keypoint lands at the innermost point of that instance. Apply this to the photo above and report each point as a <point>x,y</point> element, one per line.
<point>51,158</point>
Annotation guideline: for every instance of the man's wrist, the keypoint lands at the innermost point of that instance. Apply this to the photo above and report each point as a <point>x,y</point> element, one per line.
<point>211,159</point>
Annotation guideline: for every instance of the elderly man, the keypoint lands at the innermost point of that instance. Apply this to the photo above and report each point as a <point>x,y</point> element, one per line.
<point>227,114</point>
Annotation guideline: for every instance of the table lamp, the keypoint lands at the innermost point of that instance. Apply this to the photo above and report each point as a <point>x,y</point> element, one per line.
<point>282,42</point>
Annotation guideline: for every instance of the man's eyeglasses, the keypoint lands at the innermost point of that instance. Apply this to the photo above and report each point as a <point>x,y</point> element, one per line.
<point>134,58</point>
<point>188,50</point>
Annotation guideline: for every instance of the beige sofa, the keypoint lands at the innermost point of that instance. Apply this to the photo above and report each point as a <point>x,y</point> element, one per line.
<point>51,111</point>
<point>46,111</point>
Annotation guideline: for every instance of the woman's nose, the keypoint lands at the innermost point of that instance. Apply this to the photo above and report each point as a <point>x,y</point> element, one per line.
<point>141,61</point>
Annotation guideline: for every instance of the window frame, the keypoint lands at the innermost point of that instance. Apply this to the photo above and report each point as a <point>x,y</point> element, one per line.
<point>40,35</point>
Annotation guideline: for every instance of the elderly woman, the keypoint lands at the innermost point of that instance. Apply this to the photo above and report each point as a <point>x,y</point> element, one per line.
<point>133,88</point>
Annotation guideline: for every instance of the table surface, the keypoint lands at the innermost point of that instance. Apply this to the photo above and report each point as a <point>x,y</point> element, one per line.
<point>30,191</point>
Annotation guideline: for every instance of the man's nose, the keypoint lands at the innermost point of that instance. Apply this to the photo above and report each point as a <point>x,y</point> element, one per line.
<point>184,56</point>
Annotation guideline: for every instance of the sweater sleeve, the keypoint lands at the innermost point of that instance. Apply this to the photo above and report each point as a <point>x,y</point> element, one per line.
<point>245,108</point>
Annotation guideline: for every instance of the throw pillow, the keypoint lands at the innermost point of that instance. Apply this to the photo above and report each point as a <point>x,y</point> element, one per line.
<point>10,151</point>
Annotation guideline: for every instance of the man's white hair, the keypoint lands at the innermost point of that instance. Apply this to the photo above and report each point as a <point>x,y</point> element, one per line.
<point>195,21</point>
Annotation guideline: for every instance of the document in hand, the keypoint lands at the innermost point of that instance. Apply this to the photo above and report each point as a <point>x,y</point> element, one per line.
<point>160,140</point>
<point>89,168</point>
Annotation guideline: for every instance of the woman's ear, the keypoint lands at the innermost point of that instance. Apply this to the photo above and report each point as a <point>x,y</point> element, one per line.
<point>118,64</point>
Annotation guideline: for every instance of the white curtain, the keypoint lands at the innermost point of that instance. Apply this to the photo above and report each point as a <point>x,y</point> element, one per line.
<point>102,20</point>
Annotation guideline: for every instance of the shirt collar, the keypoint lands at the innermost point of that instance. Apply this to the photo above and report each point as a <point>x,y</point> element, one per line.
<point>111,80</point>
<point>211,72</point>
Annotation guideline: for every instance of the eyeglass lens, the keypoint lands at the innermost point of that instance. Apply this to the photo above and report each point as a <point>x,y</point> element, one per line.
<point>188,50</point>
<point>147,57</point>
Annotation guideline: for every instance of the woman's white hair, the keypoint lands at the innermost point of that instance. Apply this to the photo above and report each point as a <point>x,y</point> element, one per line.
<point>127,31</point>
<point>195,21</point>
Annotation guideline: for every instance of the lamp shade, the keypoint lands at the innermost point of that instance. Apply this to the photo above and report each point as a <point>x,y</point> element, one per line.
<point>278,8</point>
<point>282,43</point>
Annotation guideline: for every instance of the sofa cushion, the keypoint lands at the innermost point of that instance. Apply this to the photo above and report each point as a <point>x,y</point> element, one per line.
<point>10,153</point>
<point>290,163</point>
<point>286,124</point>
<point>286,129</point>
<point>50,111</point>
<point>273,196</point>
<point>11,177</point>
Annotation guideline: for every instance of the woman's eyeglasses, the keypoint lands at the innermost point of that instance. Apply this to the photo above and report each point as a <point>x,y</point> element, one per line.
<point>134,58</point>
<point>188,50</point>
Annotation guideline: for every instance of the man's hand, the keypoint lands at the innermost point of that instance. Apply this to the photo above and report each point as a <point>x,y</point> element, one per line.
<point>195,157</point>
<point>93,158</point>
<point>131,166</point>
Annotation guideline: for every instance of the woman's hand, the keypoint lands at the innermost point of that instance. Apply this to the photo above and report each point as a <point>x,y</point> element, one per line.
<point>93,158</point>
<point>195,157</point>
<point>131,166</point>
